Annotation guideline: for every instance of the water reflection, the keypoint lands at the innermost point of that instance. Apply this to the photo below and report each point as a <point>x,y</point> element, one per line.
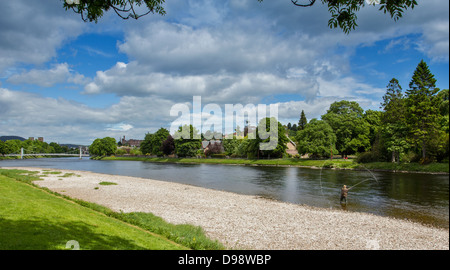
<point>418,197</point>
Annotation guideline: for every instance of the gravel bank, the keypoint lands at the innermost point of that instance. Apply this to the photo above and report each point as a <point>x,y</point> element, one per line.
<point>247,222</point>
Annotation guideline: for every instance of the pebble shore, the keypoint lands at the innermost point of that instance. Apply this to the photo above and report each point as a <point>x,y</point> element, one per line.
<point>248,222</point>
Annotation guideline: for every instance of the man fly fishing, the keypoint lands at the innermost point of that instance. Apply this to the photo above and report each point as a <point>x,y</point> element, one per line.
<point>344,193</point>
<point>345,189</point>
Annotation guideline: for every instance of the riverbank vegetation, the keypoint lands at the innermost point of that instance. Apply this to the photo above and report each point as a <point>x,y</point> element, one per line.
<point>35,218</point>
<point>32,146</point>
<point>409,133</point>
<point>346,164</point>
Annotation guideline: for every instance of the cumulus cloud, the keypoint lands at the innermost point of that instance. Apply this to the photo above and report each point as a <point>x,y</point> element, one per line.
<point>60,73</point>
<point>62,120</point>
<point>127,80</point>
<point>32,31</point>
<point>175,48</point>
<point>435,42</point>
<point>120,127</point>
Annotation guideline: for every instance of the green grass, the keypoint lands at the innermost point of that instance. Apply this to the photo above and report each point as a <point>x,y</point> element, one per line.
<point>51,172</point>
<point>70,175</point>
<point>107,184</point>
<point>263,162</point>
<point>335,163</point>
<point>187,235</point>
<point>407,167</point>
<point>38,219</point>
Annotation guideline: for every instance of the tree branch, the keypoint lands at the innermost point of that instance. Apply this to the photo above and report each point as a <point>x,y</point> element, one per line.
<point>311,2</point>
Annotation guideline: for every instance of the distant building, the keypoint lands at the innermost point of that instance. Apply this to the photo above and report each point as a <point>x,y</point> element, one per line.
<point>131,142</point>
<point>41,139</point>
<point>207,144</point>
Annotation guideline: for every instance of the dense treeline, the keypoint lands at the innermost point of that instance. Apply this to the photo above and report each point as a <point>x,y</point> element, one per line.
<point>187,142</point>
<point>411,127</point>
<point>35,146</point>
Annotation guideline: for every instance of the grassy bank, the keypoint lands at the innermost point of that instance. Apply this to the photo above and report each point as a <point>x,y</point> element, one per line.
<point>336,163</point>
<point>38,219</point>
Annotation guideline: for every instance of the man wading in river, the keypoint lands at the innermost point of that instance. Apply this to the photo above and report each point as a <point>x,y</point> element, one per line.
<point>344,193</point>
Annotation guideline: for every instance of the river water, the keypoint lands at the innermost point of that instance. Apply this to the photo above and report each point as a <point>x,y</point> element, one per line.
<point>418,197</point>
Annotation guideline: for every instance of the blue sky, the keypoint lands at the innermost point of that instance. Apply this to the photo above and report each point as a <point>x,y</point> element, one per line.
<point>71,82</point>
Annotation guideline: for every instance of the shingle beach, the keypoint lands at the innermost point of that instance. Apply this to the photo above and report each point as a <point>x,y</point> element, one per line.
<point>247,222</point>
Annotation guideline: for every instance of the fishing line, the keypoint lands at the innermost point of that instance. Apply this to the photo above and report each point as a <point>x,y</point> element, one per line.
<point>320,179</point>
<point>373,178</point>
<point>321,187</point>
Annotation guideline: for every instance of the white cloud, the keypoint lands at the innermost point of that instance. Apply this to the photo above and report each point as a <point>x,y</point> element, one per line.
<point>60,73</point>
<point>64,121</point>
<point>221,87</point>
<point>174,48</point>
<point>435,42</point>
<point>120,127</point>
<point>32,31</point>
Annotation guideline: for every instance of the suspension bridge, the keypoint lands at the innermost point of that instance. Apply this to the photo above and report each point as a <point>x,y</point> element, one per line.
<point>24,153</point>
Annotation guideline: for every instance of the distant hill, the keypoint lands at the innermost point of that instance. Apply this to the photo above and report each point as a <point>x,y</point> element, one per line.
<point>8,138</point>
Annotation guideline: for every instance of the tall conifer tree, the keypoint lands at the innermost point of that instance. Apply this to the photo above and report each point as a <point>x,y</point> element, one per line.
<point>393,120</point>
<point>303,121</point>
<point>422,111</point>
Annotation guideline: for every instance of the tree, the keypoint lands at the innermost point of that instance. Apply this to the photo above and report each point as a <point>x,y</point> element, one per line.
<point>103,147</point>
<point>294,127</point>
<point>443,101</point>
<point>343,12</point>
<point>185,143</point>
<point>393,128</point>
<point>316,139</point>
<point>13,146</point>
<point>92,10</point>
<point>168,146</point>
<point>270,140</point>
<point>146,147</point>
<point>57,148</point>
<point>230,146</point>
<point>3,149</point>
<point>443,97</point>
<point>153,142</point>
<point>351,129</point>
<point>373,118</point>
<point>303,121</point>
<point>422,111</point>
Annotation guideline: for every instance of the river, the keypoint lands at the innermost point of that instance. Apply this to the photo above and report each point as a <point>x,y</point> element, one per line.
<point>418,197</point>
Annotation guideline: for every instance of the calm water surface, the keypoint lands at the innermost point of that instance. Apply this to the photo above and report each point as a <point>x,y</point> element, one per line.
<point>419,197</point>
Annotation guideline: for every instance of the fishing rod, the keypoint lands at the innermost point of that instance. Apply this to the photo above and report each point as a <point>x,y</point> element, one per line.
<point>373,178</point>
<point>360,183</point>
